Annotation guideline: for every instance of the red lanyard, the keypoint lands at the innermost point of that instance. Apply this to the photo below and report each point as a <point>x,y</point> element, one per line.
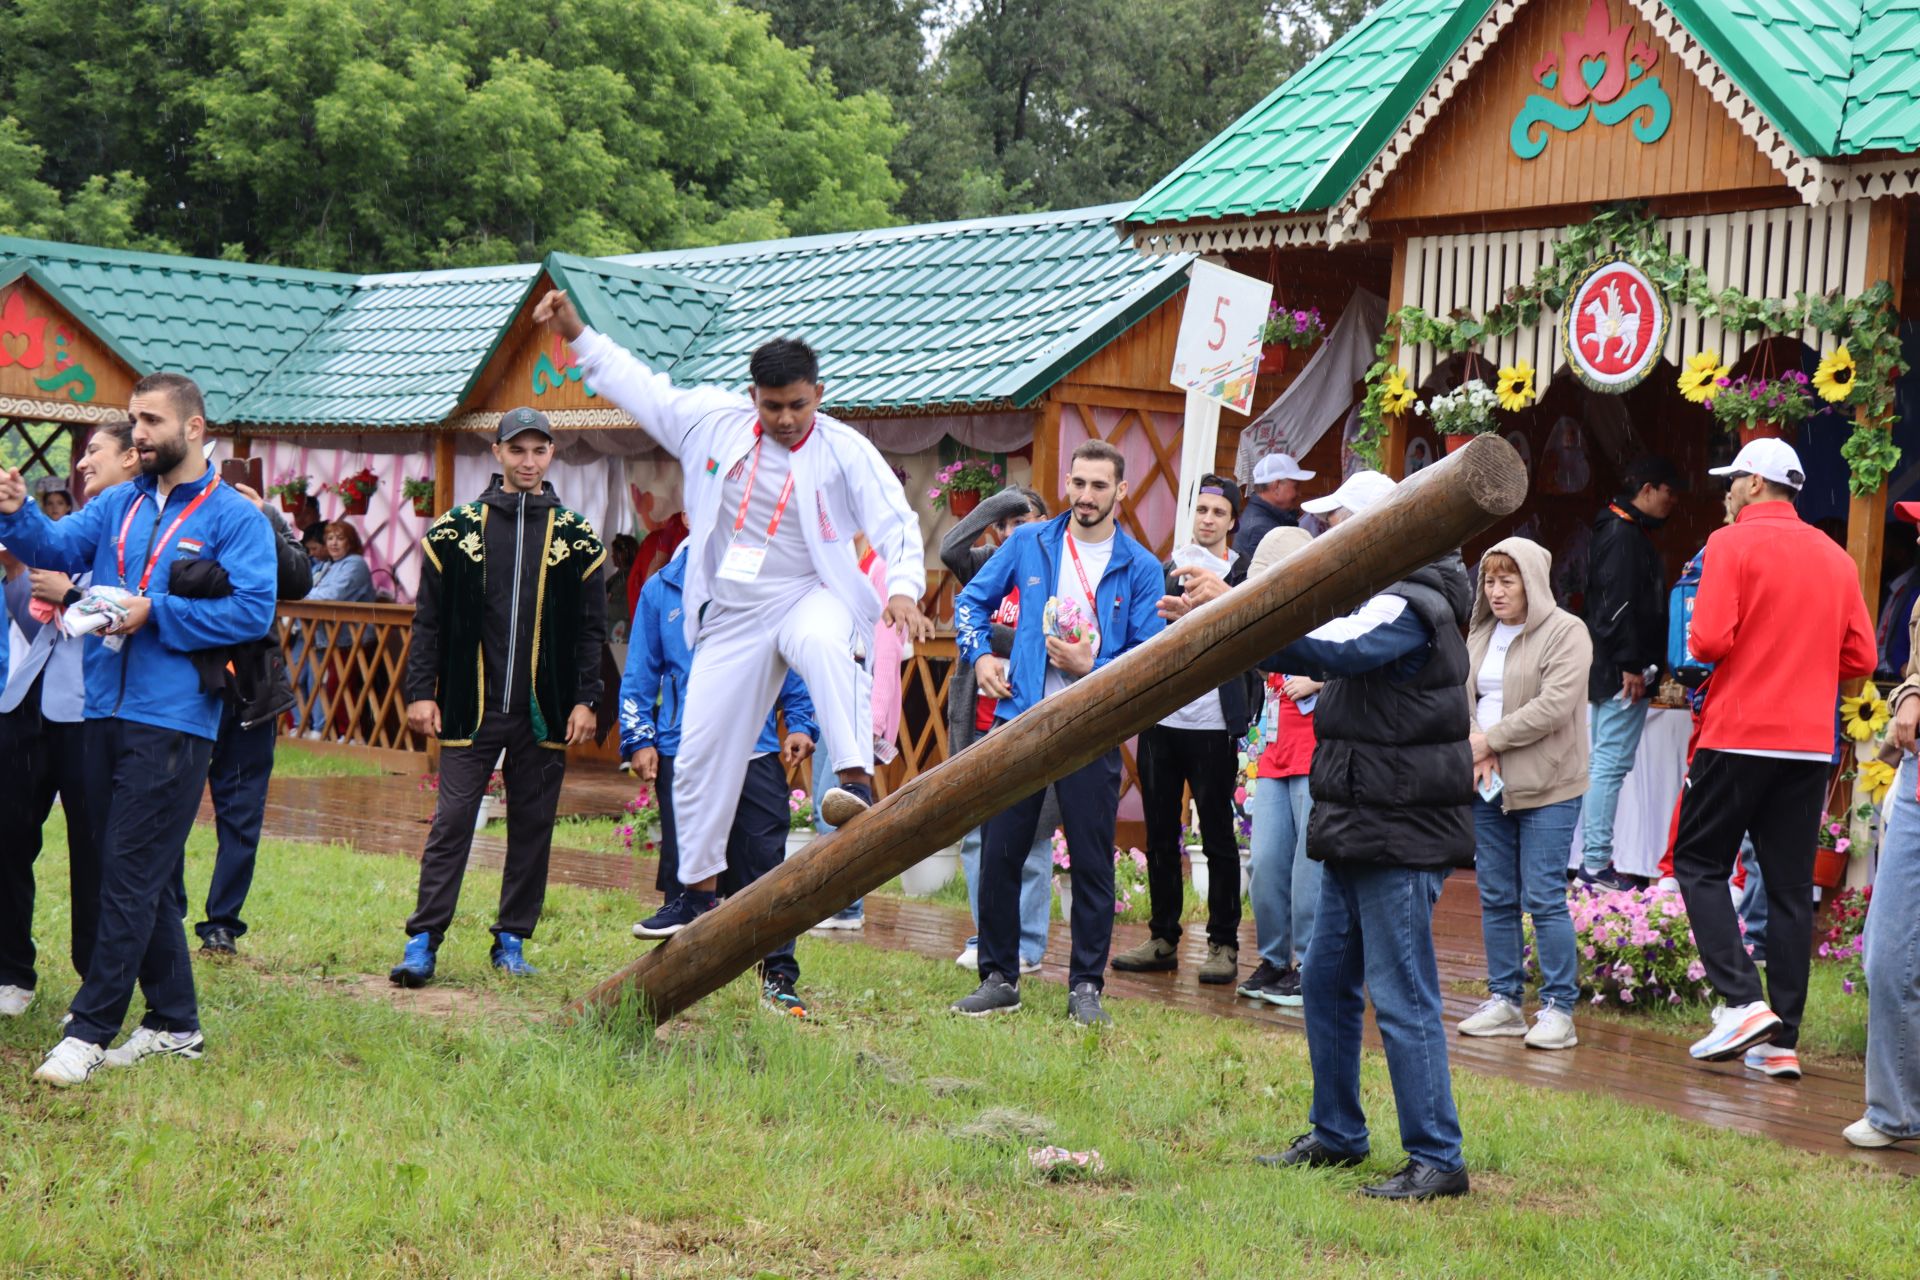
<point>779,508</point>
<point>160,543</point>
<point>1093,610</point>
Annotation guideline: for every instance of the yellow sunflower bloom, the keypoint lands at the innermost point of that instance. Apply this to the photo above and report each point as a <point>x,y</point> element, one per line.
<point>1701,378</point>
<point>1834,378</point>
<point>1865,716</point>
<point>1399,397</point>
<point>1515,387</point>
<point>1877,777</point>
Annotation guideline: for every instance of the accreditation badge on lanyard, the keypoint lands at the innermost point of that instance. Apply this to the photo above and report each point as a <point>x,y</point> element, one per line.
<point>159,546</point>
<point>743,560</point>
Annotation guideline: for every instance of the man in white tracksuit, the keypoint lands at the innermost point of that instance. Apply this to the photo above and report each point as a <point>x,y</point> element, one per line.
<point>775,492</point>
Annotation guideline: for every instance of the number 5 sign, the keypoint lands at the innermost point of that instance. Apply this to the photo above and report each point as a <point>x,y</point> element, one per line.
<point>1219,348</point>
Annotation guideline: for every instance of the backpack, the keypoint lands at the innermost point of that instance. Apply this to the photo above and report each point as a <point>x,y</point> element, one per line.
<point>1686,668</point>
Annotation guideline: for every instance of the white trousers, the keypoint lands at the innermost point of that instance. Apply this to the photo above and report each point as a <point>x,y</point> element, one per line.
<point>739,664</point>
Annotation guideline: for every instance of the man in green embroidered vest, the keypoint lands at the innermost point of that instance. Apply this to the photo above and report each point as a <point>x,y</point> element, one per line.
<point>507,634</point>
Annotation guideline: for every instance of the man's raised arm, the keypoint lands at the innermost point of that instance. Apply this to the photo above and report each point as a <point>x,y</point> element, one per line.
<point>670,414</point>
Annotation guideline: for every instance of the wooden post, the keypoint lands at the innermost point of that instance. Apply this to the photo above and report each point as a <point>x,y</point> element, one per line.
<point>1867,516</point>
<point>1046,449</point>
<point>1396,441</point>
<point>443,495</point>
<point>1428,516</point>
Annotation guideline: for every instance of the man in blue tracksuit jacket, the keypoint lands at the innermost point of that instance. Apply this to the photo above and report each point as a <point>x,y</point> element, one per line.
<point>150,724</point>
<point>658,660</point>
<point>1085,559</point>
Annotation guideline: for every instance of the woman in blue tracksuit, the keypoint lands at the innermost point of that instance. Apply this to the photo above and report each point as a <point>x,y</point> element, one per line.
<point>651,690</point>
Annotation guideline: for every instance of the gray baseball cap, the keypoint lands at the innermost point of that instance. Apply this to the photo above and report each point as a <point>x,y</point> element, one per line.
<point>515,421</point>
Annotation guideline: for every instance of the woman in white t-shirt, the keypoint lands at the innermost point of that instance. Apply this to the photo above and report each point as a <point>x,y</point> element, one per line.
<point>1527,682</point>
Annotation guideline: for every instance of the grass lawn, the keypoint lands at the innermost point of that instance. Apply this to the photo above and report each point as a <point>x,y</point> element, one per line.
<point>332,1130</point>
<point>292,761</point>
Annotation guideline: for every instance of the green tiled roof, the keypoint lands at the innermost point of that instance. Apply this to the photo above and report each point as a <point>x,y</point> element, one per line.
<point>912,318</point>
<point>1303,145</point>
<point>229,323</point>
<point>399,350</point>
<point>1836,77</point>
<point>655,314</point>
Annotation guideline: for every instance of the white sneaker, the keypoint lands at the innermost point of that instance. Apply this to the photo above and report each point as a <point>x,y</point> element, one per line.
<point>1029,966</point>
<point>70,1062</point>
<point>970,958</point>
<point>1735,1031</point>
<point>1668,885</point>
<point>1499,1016</point>
<point>14,1001</point>
<point>1782,1064</point>
<point>145,1042</point>
<point>313,735</point>
<point>1552,1029</point>
<point>1862,1134</point>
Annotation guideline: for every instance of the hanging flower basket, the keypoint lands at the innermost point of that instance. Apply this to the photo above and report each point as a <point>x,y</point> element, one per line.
<point>1829,868</point>
<point>1755,408</point>
<point>962,501</point>
<point>292,492</point>
<point>420,493</point>
<point>1456,443</point>
<point>356,491</point>
<point>961,484</point>
<point>1273,361</point>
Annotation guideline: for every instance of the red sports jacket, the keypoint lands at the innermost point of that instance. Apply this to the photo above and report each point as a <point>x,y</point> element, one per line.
<point>1781,616</point>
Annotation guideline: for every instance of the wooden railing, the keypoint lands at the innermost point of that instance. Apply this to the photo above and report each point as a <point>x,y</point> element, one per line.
<point>347,663</point>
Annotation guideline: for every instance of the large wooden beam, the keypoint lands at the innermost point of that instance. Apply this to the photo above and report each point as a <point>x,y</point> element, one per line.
<point>1429,515</point>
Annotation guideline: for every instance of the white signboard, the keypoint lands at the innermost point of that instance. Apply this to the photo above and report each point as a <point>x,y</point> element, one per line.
<point>1218,353</point>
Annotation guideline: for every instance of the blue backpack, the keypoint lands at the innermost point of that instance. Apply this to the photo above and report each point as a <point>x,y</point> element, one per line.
<point>1686,668</point>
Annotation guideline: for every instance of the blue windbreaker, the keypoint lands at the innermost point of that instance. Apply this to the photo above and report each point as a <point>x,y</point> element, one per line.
<point>1127,599</point>
<point>151,680</point>
<point>658,661</point>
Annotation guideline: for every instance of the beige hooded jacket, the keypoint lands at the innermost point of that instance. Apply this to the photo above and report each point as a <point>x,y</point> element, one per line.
<point>1541,738</point>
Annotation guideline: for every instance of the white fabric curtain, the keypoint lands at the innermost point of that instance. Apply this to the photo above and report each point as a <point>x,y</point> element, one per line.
<point>1323,392</point>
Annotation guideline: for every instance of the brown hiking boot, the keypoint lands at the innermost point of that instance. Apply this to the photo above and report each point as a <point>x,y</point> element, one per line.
<point>1222,966</point>
<point>1155,955</point>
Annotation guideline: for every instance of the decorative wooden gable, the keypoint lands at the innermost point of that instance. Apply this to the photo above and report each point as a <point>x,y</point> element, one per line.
<point>531,366</point>
<point>1561,102</point>
<point>51,366</point>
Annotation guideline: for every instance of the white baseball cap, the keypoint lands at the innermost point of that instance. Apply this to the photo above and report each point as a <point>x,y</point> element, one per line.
<point>1358,492</point>
<point>1768,458</point>
<point>1278,466</point>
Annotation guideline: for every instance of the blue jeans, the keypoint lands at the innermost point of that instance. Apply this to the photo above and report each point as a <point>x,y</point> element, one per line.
<point>1752,907</point>
<point>1892,963</point>
<point>1286,882</point>
<point>151,780</point>
<point>1520,859</point>
<point>1373,935</point>
<point>825,780</point>
<point>1616,728</point>
<point>237,780</point>
<point>1036,890</point>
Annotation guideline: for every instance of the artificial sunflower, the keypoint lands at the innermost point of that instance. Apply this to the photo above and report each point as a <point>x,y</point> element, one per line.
<point>1515,387</point>
<point>1877,777</point>
<point>1399,396</point>
<point>1701,378</point>
<point>1865,716</point>
<point>1834,378</point>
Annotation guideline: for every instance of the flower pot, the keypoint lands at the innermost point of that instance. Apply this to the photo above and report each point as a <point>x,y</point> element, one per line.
<point>1197,863</point>
<point>423,507</point>
<point>292,502</point>
<point>352,506</point>
<point>1829,868</point>
<point>1273,360</point>
<point>1761,431</point>
<point>962,501</point>
<point>1455,443</point>
<point>925,878</point>
<point>1063,889</point>
<point>797,841</point>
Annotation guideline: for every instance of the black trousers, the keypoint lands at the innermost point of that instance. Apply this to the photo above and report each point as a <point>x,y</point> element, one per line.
<point>151,779</point>
<point>1171,760</point>
<point>1778,803</point>
<point>38,759</point>
<point>756,844</point>
<point>1089,804</point>
<point>533,776</point>
<point>237,781</point>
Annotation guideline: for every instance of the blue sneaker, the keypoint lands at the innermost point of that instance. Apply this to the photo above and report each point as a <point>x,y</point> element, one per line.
<point>416,965</point>
<point>680,912</point>
<point>508,958</point>
<point>1605,879</point>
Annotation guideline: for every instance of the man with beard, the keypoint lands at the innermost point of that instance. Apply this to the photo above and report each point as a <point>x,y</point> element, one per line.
<point>1103,589</point>
<point>150,722</point>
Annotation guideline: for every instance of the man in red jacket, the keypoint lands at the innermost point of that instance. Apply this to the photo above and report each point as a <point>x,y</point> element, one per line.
<point>1780,615</point>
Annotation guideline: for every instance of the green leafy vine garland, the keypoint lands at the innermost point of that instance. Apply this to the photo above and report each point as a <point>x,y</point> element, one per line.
<point>1866,323</point>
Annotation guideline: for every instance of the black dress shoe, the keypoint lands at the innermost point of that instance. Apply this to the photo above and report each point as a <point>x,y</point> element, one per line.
<point>1314,1154</point>
<point>1417,1181</point>
<point>219,942</point>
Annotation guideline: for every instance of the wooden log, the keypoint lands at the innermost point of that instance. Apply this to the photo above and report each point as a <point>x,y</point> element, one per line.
<point>1427,516</point>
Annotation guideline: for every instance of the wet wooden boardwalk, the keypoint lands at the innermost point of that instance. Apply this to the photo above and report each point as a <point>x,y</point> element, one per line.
<point>389,815</point>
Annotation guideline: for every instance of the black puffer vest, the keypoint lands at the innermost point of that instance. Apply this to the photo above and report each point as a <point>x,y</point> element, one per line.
<point>1392,778</point>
